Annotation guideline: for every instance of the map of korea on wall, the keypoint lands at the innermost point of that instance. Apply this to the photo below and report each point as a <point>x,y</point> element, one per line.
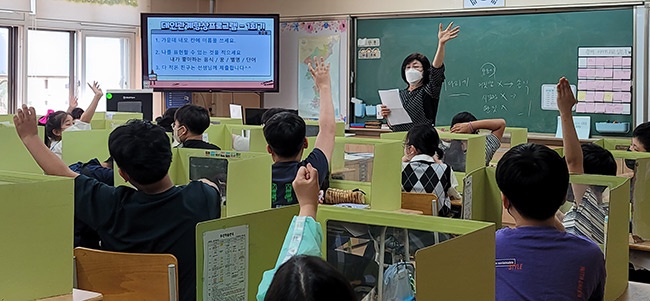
<point>328,47</point>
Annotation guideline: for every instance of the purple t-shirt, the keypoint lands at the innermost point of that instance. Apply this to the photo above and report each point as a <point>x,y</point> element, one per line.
<point>541,263</point>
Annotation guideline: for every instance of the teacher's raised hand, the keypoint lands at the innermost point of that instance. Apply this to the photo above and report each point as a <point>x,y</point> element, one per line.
<point>448,33</point>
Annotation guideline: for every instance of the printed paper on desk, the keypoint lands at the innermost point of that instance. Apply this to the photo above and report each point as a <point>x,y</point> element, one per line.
<point>392,101</point>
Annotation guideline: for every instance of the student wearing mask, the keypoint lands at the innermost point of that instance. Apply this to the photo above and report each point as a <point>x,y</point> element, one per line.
<point>190,121</point>
<point>422,95</point>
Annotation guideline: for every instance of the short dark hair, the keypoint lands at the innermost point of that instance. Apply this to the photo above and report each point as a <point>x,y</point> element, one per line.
<point>463,117</point>
<point>597,160</point>
<point>642,133</point>
<point>309,278</point>
<point>195,118</point>
<point>425,139</point>
<point>285,133</point>
<point>76,113</point>
<point>54,122</point>
<point>272,111</point>
<point>535,180</point>
<point>142,150</point>
<point>167,119</point>
<point>426,66</point>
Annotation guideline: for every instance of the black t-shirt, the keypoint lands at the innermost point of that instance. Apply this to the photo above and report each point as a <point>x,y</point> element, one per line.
<point>128,220</point>
<point>284,173</point>
<point>199,144</point>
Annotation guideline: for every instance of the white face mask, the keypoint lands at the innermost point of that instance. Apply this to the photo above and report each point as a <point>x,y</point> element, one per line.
<point>175,135</point>
<point>412,75</point>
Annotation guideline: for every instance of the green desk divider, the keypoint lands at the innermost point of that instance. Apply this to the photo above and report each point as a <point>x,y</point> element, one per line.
<point>517,135</point>
<point>7,118</point>
<point>15,156</point>
<point>384,191</point>
<point>481,196</point>
<point>217,135</point>
<point>441,266</point>
<point>616,246</point>
<point>224,120</point>
<point>474,156</point>
<point>122,116</point>
<point>266,231</point>
<point>614,143</point>
<point>113,123</point>
<point>82,146</point>
<point>312,125</point>
<point>244,170</point>
<point>36,230</point>
<point>257,142</point>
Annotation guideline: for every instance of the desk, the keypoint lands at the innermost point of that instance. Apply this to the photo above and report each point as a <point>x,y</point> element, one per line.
<point>77,295</point>
<point>636,291</point>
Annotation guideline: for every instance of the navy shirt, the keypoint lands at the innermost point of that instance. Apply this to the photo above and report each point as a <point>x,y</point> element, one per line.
<point>284,173</point>
<point>200,144</point>
<point>128,220</point>
<point>95,170</point>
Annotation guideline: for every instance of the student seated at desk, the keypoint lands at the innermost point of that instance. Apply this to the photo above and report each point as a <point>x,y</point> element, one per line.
<point>536,260</point>
<point>466,123</point>
<point>285,135</point>
<point>158,217</point>
<point>300,273</point>
<point>587,215</point>
<point>61,121</point>
<point>190,121</point>
<point>422,170</point>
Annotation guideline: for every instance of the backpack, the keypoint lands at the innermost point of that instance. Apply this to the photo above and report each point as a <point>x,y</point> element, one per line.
<point>399,284</point>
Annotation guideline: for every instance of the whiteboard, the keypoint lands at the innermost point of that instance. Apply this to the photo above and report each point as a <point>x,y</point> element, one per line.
<point>290,34</point>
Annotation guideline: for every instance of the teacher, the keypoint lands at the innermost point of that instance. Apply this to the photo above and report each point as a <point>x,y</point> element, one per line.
<point>420,99</point>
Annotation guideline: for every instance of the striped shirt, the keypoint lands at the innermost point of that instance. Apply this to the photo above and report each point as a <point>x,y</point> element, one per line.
<point>422,103</point>
<point>588,218</point>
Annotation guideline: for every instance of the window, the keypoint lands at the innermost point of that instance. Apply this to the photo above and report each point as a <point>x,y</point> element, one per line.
<point>107,61</point>
<point>49,69</point>
<point>5,70</point>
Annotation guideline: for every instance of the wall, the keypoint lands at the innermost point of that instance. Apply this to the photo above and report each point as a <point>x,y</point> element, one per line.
<point>296,8</point>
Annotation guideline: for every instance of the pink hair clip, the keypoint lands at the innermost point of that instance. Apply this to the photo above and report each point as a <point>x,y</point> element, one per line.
<point>43,120</point>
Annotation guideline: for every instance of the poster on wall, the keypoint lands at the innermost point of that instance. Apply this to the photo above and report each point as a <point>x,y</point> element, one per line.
<point>329,48</point>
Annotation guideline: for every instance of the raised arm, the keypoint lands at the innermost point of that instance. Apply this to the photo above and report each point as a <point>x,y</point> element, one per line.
<point>572,149</point>
<point>497,126</point>
<point>306,187</point>
<point>443,37</point>
<point>25,122</point>
<point>326,124</point>
<point>72,103</point>
<point>87,116</point>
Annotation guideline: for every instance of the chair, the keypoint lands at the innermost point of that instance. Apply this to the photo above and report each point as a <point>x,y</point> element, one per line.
<point>127,276</point>
<point>425,202</point>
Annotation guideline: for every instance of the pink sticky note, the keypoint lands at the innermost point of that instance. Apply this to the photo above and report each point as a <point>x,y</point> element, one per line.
<point>626,97</point>
<point>581,107</point>
<point>608,62</point>
<point>591,73</point>
<point>607,73</point>
<point>600,61</point>
<point>618,74</point>
<point>618,109</point>
<point>616,85</point>
<point>607,85</point>
<point>609,109</point>
<point>627,74</point>
<point>600,96</point>
<point>590,96</point>
<point>618,96</point>
<point>627,62</point>
<point>582,73</point>
<point>591,62</point>
<point>617,61</point>
<point>590,107</point>
<point>600,108</point>
<point>625,85</point>
<point>582,85</point>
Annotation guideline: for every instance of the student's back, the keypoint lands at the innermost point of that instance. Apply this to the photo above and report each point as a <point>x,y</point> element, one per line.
<point>542,263</point>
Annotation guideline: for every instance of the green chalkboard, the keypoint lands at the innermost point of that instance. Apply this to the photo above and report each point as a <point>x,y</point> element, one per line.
<point>497,65</point>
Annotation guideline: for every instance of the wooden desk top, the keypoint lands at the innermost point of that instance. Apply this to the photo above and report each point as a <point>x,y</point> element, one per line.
<point>639,245</point>
<point>77,295</point>
<point>636,291</point>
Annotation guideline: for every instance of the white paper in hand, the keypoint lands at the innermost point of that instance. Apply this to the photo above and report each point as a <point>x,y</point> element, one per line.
<point>392,101</point>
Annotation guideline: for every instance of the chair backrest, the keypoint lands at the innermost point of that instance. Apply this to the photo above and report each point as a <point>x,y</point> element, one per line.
<point>425,202</point>
<point>127,276</point>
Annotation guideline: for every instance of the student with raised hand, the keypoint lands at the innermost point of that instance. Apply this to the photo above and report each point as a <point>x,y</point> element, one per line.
<point>190,121</point>
<point>156,217</point>
<point>466,123</point>
<point>587,215</point>
<point>422,170</point>
<point>300,273</point>
<point>285,135</point>
<point>535,260</point>
<point>424,82</point>
<point>61,121</point>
